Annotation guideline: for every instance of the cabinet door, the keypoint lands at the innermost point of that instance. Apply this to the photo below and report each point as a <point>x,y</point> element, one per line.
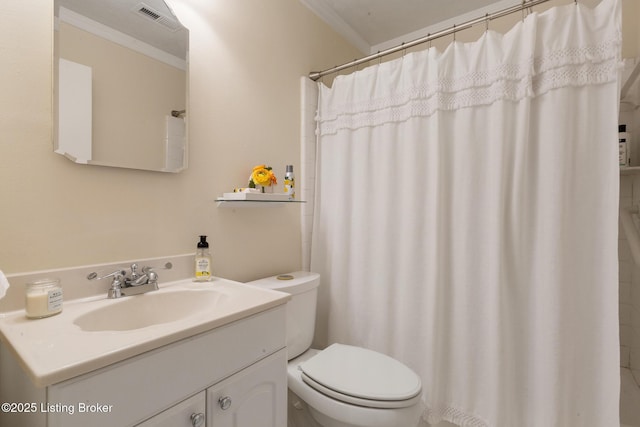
<point>189,413</point>
<point>255,396</point>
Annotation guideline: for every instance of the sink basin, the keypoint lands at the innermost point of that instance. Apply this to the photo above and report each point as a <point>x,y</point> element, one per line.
<point>104,331</point>
<point>153,308</point>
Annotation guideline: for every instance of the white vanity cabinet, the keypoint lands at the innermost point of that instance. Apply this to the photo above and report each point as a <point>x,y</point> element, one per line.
<point>244,360</point>
<point>253,397</point>
<point>190,413</point>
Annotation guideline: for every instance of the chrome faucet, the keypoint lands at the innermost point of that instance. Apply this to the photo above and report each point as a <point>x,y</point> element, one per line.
<point>126,284</point>
<point>137,279</point>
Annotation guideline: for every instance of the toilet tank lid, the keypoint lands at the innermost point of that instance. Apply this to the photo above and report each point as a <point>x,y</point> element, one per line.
<point>293,283</point>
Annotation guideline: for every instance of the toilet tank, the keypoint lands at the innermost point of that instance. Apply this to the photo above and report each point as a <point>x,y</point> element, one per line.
<point>301,309</point>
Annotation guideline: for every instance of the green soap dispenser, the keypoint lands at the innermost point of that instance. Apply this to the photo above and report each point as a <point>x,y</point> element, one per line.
<point>203,261</point>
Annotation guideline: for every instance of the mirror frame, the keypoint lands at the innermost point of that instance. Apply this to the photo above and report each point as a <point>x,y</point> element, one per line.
<point>78,118</point>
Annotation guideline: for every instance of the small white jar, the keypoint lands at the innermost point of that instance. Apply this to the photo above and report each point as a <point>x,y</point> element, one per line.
<point>43,298</point>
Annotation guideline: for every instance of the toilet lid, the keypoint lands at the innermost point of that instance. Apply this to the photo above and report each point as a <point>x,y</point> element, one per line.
<point>360,376</point>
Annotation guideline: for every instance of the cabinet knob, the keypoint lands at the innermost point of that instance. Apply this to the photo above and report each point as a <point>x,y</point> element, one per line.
<point>197,419</point>
<point>225,402</point>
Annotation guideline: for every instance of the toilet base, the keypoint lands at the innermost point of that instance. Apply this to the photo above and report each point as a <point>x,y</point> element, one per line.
<point>298,414</point>
<point>325,421</point>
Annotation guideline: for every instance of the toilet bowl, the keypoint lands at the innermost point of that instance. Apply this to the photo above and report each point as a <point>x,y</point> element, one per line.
<point>342,385</point>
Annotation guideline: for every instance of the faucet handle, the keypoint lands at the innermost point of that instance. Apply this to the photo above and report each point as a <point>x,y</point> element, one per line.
<point>116,284</point>
<point>117,275</point>
<point>153,277</point>
<point>167,266</point>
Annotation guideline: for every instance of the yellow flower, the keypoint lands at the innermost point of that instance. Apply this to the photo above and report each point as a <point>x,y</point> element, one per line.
<point>262,175</point>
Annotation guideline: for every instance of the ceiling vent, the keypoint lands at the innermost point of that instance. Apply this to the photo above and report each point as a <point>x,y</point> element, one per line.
<point>150,13</point>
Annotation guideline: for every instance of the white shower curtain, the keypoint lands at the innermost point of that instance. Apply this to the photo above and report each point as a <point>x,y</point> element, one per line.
<point>466,220</point>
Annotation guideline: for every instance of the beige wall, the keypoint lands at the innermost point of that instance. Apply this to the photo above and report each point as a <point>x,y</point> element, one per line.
<point>246,60</point>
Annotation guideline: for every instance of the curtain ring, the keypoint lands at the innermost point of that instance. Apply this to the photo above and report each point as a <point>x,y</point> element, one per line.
<point>527,10</point>
<point>430,40</point>
<point>379,58</point>
<point>404,50</point>
<point>454,32</point>
<point>486,22</point>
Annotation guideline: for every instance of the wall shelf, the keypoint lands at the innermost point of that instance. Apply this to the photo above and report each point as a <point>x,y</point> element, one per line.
<point>224,203</point>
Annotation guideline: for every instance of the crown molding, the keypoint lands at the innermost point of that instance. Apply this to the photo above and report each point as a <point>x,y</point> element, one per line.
<point>80,21</point>
<point>329,16</point>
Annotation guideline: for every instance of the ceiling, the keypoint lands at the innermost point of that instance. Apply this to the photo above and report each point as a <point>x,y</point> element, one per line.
<point>370,25</point>
<point>373,25</point>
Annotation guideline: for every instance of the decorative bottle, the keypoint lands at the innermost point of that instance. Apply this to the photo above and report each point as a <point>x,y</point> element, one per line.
<point>203,261</point>
<point>290,182</point>
<point>624,145</point>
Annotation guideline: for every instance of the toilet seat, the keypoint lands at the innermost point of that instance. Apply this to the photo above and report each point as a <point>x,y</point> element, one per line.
<point>361,377</point>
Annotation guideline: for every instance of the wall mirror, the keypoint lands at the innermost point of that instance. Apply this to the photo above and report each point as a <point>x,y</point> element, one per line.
<point>120,84</point>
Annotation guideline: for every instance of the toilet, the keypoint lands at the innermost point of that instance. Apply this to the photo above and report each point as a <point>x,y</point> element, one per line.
<point>342,385</point>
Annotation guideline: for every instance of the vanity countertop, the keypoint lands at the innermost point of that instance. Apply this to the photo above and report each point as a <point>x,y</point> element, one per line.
<point>55,349</point>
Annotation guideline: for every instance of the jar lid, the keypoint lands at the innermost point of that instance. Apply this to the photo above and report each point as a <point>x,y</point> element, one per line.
<point>44,282</point>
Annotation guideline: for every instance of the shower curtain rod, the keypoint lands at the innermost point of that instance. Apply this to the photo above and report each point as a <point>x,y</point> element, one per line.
<point>315,75</point>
